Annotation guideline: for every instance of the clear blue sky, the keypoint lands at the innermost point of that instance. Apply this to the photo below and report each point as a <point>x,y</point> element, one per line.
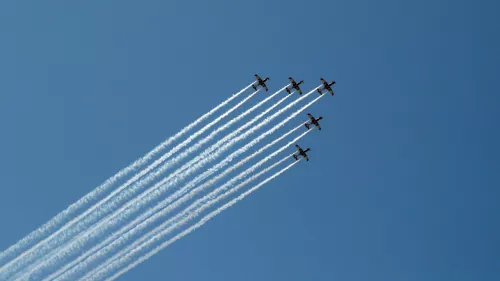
<point>403,182</point>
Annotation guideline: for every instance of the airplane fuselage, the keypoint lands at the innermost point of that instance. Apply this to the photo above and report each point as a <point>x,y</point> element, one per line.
<point>296,85</point>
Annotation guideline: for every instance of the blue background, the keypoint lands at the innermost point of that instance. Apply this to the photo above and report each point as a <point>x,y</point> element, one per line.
<point>403,182</point>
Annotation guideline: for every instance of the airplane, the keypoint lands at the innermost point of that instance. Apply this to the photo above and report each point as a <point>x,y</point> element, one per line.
<point>314,121</point>
<point>326,86</point>
<point>301,152</point>
<point>295,86</point>
<point>260,82</point>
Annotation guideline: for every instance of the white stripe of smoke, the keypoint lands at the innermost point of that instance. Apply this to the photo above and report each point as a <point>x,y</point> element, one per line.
<point>30,256</point>
<point>59,219</point>
<point>167,208</point>
<point>87,236</point>
<point>209,137</point>
<point>133,206</point>
<point>204,220</point>
<point>123,240</point>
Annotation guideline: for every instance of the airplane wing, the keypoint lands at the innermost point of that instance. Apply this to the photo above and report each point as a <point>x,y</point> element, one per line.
<point>300,91</point>
<point>265,87</point>
<point>310,116</point>
<point>319,126</point>
<point>307,158</point>
<point>330,90</point>
<point>299,149</point>
<point>322,80</point>
<point>291,80</point>
<point>258,78</point>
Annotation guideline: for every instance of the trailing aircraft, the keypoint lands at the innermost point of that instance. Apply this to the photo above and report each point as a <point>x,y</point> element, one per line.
<point>326,86</point>
<point>295,86</point>
<point>301,152</point>
<point>313,121</point>
<point>260,82</point>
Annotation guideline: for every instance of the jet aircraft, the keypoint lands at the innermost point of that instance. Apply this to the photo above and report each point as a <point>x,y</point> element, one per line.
<point>301,152</point>
<point>313,122</point>
<point>295,86</point>
<point>260,82</point>
<point>326,86</point>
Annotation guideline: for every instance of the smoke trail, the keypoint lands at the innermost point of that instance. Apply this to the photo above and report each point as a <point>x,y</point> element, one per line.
<point>167,208</point>
<point>133,206</point>
<point>59,219</point>
<point>193,206</point>
<point>225,126</point>
<point>157,162</point>
<point>87,222</point>
<point>204,220</point>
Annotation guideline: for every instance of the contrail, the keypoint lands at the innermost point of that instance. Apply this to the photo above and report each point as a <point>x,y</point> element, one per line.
<point>238,118</point>
<point>60,219</point>
<point>124,239</point>
<point>84,225</point>
<point>133,206</point>
<point>166,208</point>
<point>204,220</point>
<point>30,257</point>
<point>165,184</point>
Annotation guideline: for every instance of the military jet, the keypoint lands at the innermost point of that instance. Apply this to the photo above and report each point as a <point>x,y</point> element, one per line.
<point>301,152</point>
<point>314,121</point>
<point>326,86</point>
<point>260,82</point>
<point>295,86</point>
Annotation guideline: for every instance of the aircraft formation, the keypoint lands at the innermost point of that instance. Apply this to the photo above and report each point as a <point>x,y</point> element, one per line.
<point>171,191</point>
<point>313,121</point>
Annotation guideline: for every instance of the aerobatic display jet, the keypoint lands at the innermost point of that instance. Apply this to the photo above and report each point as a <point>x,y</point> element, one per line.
<point>301,152</point>
<point>295,86</point>
<point>260,82</point>
<point>313,122</point>
<point>326,86</point>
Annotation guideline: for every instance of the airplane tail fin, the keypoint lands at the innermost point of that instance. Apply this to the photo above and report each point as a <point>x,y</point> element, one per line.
<point>307,125</point>
<point>254,88</point>
<point>319,91</point>
<point>295,157</point>
<point>288,90</point>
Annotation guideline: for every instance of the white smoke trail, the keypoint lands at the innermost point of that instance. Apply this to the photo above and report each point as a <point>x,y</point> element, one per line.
<point>29,256</point>
<point>61,218</point>
<point>166,183</point>
<point>158,189</point>
<point>165,208</point>
<point>163,205</point>
<point>211,136</point>
<point>168,224</point>
<point>204,220</point>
